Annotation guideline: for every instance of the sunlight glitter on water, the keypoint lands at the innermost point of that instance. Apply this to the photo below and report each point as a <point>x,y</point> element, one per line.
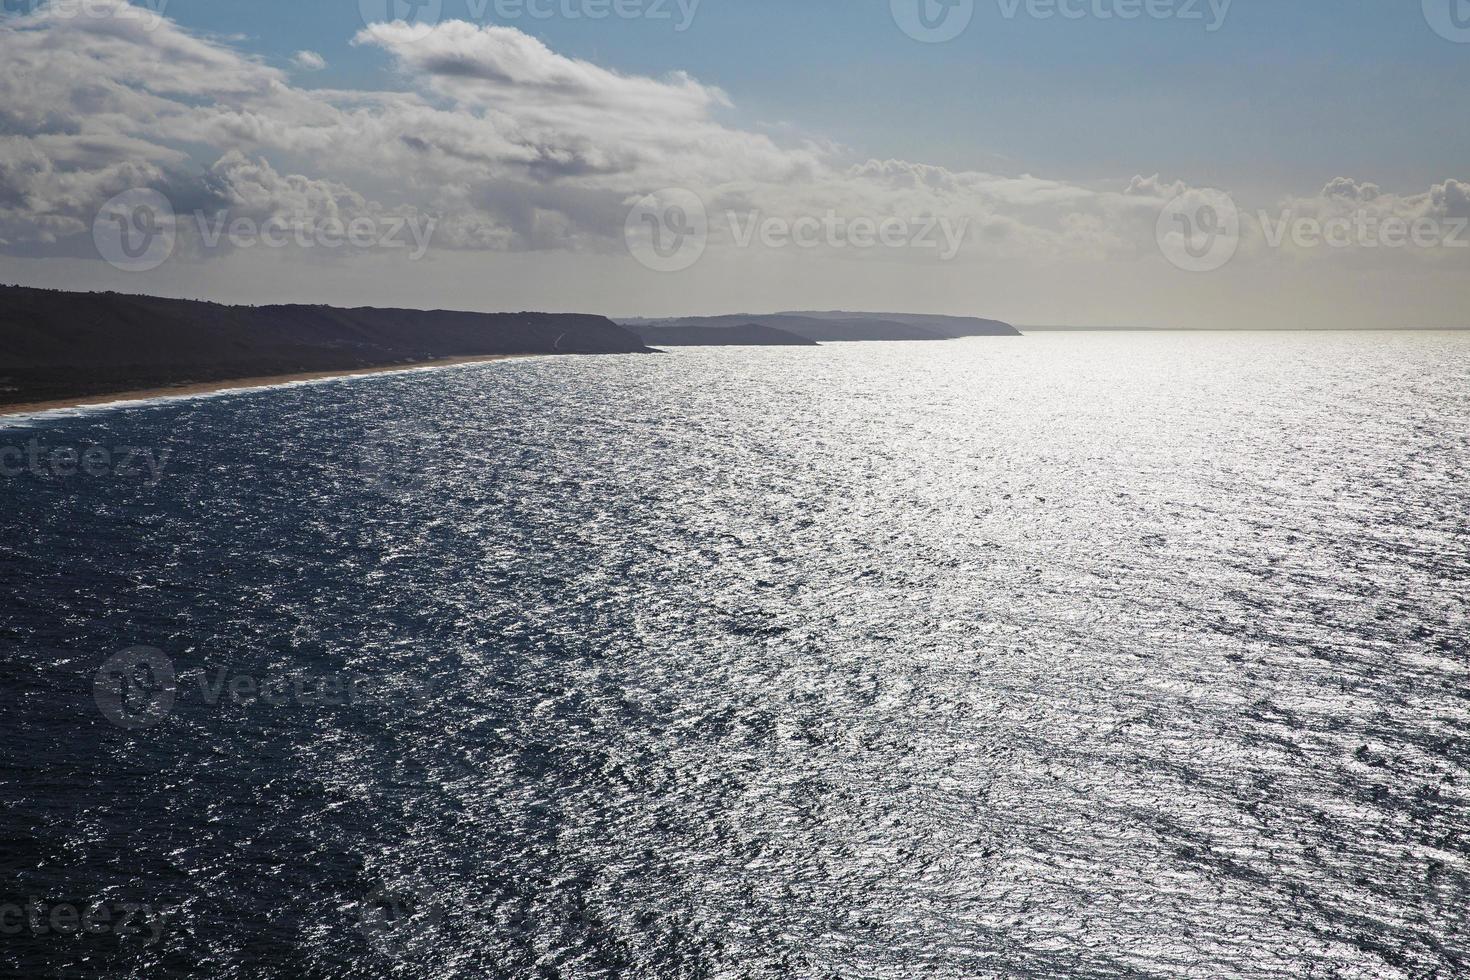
<point>1069,655</point>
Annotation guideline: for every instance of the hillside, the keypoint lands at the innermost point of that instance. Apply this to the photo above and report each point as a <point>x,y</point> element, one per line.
<point>57,344</point>
<point>836,327</point>
<point>745,335</point>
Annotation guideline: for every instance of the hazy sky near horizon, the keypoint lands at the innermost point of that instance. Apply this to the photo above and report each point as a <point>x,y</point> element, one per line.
<point>1193,163</point>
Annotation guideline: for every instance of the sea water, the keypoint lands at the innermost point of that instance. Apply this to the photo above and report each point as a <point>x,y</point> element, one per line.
<point>1097,655</point>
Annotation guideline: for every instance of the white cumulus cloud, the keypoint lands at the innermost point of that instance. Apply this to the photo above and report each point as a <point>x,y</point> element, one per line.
<point>308,61</point>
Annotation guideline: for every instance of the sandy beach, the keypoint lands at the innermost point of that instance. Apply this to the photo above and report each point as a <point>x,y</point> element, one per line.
<point>203,388</point>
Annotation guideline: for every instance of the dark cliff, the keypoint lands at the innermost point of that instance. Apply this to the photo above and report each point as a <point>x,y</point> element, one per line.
<point>56,345</point>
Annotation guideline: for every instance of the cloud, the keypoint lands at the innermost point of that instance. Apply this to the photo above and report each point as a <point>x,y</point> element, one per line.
<point>1346,197</point>
<point>1154,187</point>
<point>483,64</point>
<point>308,61</point>
<point>508,144</point>
<point>1451,199</point>
<point>555,117</point>
<point>1345,188</point>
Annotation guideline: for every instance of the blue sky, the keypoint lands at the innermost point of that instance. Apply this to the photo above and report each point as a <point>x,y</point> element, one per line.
<point>1283,94</point>
<point>1088,169</point>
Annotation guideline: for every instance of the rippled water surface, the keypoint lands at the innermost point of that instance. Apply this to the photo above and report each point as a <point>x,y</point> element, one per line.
<point>1069,655</point>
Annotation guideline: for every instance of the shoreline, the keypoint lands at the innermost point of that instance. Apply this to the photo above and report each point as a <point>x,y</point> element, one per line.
<point>245,384</point>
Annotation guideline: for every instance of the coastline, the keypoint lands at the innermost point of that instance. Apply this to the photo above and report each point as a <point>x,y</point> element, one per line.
<point>244,384</point>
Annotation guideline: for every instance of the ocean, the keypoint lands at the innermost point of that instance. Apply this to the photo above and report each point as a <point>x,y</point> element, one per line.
<point>1071,655</point>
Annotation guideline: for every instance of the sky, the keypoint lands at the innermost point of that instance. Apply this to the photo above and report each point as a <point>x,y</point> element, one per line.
<point>1164,163</point>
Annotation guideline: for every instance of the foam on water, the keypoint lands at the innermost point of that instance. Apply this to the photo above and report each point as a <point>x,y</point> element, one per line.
<point>21,419</point>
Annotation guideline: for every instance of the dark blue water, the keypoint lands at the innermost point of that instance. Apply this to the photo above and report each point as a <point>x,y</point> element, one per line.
<point>1115,655</point>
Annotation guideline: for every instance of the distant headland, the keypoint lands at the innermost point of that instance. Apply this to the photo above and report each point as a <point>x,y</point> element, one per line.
<point>840,326</point>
